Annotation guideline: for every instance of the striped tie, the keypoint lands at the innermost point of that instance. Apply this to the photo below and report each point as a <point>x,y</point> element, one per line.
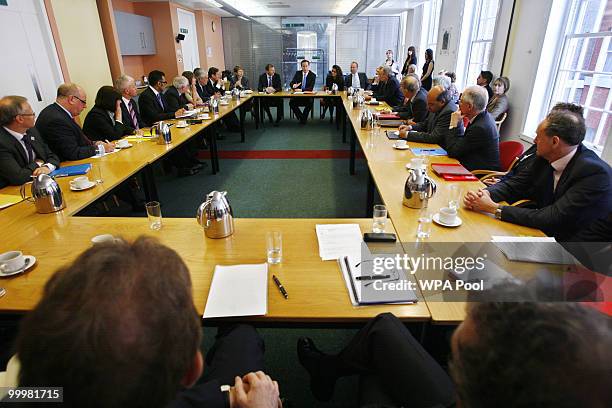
<point>133,114</point>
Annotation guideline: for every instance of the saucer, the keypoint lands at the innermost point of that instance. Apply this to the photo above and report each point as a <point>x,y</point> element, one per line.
<point>406,147</point>
<point>32,261</point>
<point>298,93</point>
<point>181,127</point>
<point>87,187</point>
<point>124,147</point>
<point>436,219</point>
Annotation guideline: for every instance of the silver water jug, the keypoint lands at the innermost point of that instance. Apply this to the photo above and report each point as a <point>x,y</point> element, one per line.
<point>334,88</point>
<point>419,188</point>
<point>161,132</point>
<point>214,105</point>
<point>236,94</point>
<point>366,119</point>
<point>215,215</point>
<point>46,194</point>
<point>358,101</point>
<point>350,91</point>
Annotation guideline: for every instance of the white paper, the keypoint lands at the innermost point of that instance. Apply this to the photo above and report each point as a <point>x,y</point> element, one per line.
<point>533,249</point>
<point>337,240</point>
<point>504,238</point>
<point>188,113</point>
<point>238,290</point>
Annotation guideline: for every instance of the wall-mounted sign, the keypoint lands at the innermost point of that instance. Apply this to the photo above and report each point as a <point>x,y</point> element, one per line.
<point>183,31</point>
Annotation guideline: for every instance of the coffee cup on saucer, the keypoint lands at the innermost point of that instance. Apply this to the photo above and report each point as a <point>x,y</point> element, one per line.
<point>122,143</point>
<point>182,123</point>
<point>80,182</point>
<point>11,261</point>
<point>103,239</point>
<point>448,215</point>
<point>401,143</point>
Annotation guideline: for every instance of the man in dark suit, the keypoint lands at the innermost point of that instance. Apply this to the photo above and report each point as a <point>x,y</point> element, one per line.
<point>175,94</point>
<point>23,153</point>
<point>303,80</point>
<point>214,89</point>
<point>270,82</point>
<point>414,107</point>
<point>477,148</point>
<point>201,76</point>
<point>58,128</point>
<point>129,110</point>
<point>355,78</point>
<point>390,92</point>
<point>137,337</point>
<point>569,185</point>
<point>152,102</point>
<point>484,79</point>
<point>435,128</point>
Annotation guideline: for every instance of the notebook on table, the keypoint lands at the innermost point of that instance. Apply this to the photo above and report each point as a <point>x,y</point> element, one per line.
<point>453,172</point>
<point>390,123</point>
<point>76,170</point>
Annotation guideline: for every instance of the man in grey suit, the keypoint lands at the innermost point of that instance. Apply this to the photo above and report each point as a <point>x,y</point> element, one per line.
<point>435,128</point>
<point>23,153</point>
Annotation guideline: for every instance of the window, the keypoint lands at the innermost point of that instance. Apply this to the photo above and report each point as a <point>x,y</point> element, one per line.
<point>584,73</point>
<point>432,27</point>
<point>481,39</point>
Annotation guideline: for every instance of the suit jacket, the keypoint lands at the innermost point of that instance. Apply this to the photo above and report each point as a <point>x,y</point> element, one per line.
<point>435,128</point>
<point>98,125</point>
<point>211,89</point>
<point>497,106</point>
<point>478,146</point>
<point>311,78</point>
<point>150,110</point>
<point>524,162</point>
<point>201,91</point>
<point>391,92</point>
<point>63,135</point>
<point>415,109</point>
<point>379,87</point>
<point>244,82</point>
<point>15,169</point>
<point>583,195</point>
<point>363,80</point>
<point>489,91</point>
<point>330,80</point>
<point>276,82</point>
<point>125,114</point>
<point>175,100</point>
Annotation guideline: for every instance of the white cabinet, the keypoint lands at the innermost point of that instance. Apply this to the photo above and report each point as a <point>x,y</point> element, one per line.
<point>136,36</point>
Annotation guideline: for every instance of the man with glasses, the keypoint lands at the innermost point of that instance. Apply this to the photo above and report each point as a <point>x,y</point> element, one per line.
<point>152,101</point>
<point>58,128</point>
<point>23,153</point>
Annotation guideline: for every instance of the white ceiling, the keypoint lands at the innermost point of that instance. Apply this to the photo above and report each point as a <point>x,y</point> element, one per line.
<point>258,8</point>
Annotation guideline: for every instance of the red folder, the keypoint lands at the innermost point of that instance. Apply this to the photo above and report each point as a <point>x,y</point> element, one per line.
<point>384,116</point>
<point>453,172</point>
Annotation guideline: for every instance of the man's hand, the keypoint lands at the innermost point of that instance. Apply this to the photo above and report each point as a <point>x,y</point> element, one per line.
<point>480,201</point>
<point>456,116</point>
<point>179,112</point>
<point>270,90</point>
<point>255,390</point>
<point>190,106</point>
<point>118,115</point>
<point>108,146</point>
<point>295,86</point>
<point>491,181</point>
<point>41,170</point>
<point>407,128</point>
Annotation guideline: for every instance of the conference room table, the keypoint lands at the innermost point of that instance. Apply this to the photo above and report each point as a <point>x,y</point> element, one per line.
<point>317,292</point>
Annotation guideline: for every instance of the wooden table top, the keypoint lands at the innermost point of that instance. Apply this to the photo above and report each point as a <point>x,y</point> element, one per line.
<point>316,288</point>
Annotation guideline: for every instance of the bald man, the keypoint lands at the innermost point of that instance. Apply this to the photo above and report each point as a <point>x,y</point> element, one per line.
<point>435,128</point>
<point>57,126</point>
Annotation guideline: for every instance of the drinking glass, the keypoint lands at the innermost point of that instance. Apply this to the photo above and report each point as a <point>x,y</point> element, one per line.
<point>96,173</point>
<point>274,247</point>
<point>379,218</point>
<point>424,226</point>
<point>454,196</point>
<point>154,215</point>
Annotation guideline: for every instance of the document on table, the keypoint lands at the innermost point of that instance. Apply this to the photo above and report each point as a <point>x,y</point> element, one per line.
<point>533,249</point>
<point>338,240</point>
<point>6,200</point>
<point>187,113</point>
<point>238,290</point>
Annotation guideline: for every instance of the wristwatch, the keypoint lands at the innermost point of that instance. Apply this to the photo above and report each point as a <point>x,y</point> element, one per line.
<point>225,390</point>
<point>498,212</point>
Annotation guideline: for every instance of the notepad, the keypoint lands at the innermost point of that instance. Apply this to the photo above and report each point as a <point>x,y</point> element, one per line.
<point>238,290</point>
<point>419,151</point>
<point>534,249</point>
<point>336,240</point>
<point>187,113</point>
<point>6,200</point>
<point>76,170</point>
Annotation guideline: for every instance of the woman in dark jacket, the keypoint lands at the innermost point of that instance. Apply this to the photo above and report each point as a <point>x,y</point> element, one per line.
<point>428,69</point>
<point>411,59</point>
<point>335,76</point>
<point>104,121</point>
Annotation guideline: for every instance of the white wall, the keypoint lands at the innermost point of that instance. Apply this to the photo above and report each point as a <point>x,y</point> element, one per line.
<point>501,34</point>
<point>451,15</point>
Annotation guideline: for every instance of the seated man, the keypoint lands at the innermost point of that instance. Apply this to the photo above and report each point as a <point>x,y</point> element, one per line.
<point>129,110</point>
<point>175,94</point>
<point>570,186</point>
<point>270,82</point>
<point>23,153</point>
<point>57,126</point>
<point>546,355</point>
<point>355,78</point>
<point>105,120</point>
<point>478,146</point>
<point>390,92</point>
<point>152,102</point>
<point>484,79</point>
<point>303,80</point>
<point>201,76</point>
<point>414,107</point>
<point>435,128</point>
<point>214,89</point>
<point>137,345</point>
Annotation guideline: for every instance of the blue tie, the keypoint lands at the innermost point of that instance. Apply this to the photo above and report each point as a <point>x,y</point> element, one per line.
<point>159,99</point>
<point>304,82</point>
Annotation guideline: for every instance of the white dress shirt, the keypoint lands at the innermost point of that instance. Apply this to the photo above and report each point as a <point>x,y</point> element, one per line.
<point>355,83</point>
<point>559,166</point>
<point>19,138</point>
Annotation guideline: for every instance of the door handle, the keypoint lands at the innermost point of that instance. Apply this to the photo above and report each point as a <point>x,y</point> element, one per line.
<point>141,40</point>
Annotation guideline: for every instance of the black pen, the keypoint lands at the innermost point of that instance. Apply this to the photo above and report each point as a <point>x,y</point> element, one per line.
<point>280,287</point>
<point>372,277</point>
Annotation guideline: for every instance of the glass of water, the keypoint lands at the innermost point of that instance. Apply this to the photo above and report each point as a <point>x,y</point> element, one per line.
<point>454,196</point>
<point>274,247</point>
<point>154,215</point>
<point>424,226</point>
<point>96,173</point>
<point>379,218</point>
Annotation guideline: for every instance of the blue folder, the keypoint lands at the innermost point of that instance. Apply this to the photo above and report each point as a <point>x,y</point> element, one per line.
<point>428,152</point>
<point>75,170</point>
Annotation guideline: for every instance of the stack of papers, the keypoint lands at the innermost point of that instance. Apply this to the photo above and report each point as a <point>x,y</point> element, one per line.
<point>6,200</point>
<point>188,113</point>
<point>338,240</point>
<point>238,290</point>
<point>533,249</point>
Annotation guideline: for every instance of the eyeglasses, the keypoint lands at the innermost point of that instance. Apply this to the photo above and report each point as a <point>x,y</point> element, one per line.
<point>82,101</point>
<point>26,114</point>
<point>163,82</point>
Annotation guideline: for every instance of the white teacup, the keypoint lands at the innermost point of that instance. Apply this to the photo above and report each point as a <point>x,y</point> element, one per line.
<point>447,215</point>
<point>373,100</point>
<point>80,182</point>
<point>122,143</point>
<point>204,116</point>
<point>401,143</point>
<point>11,261</point>
<point>103,239</point>
<point>182,123</point>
